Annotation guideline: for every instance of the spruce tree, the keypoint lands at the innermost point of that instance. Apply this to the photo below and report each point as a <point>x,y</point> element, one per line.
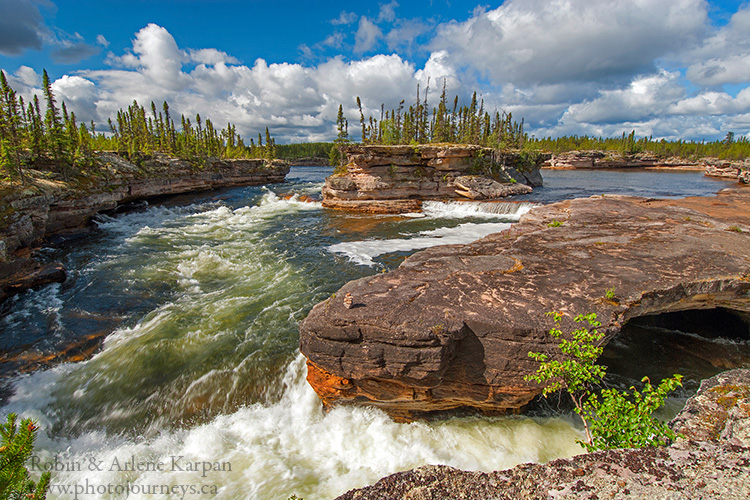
<point>16,447</point>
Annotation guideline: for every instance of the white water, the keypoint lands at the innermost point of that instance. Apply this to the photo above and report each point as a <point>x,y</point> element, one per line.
<point>290,447</point>
<point>207,369</point>
<point>363,252</point>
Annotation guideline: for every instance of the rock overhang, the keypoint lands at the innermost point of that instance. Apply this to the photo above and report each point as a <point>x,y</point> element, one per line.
<point>453,325</point>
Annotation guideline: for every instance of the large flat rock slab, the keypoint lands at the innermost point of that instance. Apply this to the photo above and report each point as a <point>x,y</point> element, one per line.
<point>453,325</point>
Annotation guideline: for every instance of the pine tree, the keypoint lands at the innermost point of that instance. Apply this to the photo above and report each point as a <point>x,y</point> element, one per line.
<point>362,121</point>
<point>10,130</point>
<point>16,447</point>
<point>52,125</point>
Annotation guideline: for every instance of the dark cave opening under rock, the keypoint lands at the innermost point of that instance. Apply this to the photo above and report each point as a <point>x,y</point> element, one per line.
<point>696,344</point>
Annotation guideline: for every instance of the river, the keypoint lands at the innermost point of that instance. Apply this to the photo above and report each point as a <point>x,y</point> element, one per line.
<point>198,389</point>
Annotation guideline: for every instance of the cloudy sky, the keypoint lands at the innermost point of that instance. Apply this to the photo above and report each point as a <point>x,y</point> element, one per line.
<point>664,68</point>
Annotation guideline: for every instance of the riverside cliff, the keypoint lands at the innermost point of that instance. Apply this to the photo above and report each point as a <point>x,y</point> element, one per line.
<point>47,206</point>
<point>713,167</point>
<point>396,179</point>
<point>453,325</point>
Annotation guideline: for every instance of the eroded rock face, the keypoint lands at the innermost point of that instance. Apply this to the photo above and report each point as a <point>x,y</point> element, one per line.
<point>614,159</point>
<point>712,463</point>
<point>32,218</point>
<point>725,169</point>
<point>453,325</point>
<point>396,179</point>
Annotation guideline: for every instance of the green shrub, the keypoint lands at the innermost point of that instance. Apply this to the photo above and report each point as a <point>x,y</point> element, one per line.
<point>616,419</point>
<point>620,420</point>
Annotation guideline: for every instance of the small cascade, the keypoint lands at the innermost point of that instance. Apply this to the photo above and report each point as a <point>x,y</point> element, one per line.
<point>459,209</point>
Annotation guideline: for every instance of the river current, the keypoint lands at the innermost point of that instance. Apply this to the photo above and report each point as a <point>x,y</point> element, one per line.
<point>198,389</point>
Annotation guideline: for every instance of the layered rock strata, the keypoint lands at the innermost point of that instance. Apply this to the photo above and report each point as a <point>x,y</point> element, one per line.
<point>728,170</point>
<point>615,159</point>
<point>593,159</point>
<point>49,210</point>
<point>396,179</point>
<point>710,463</point>
<point>453,325</point>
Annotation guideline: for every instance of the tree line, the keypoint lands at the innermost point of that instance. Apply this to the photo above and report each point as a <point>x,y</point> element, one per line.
<point>474,124</point>
<point>447,122</point>
<point>304,150</point>
<point>729,148</point>
<point>30,137</point>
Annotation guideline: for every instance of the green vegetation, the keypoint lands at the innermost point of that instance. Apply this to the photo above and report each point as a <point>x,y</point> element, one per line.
<point>303,150</point>
<point>16,447</point>
<point>610,293</point>
<point>473,124</point>
<point>419,124</point>
<point>619,420</point>
<point>555,223</point>
<point>30,139</point>
<point>729,148</point>
<point>615,419</point>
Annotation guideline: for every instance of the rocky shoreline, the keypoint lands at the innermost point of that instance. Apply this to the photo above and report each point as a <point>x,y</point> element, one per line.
<point>452,326</point>
<point>710,462</point>
<point>49,208</point>
<point>397,179</point>
<point>713,167</point>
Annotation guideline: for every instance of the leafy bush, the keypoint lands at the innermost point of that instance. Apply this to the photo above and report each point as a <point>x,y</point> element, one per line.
<point>16,447</point>
<point>613,420</point>
<point>617,421</point>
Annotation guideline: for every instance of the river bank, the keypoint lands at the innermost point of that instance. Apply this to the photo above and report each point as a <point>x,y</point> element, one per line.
<point>594,159</point>
<point>198,301</point>
<point>50,205</point>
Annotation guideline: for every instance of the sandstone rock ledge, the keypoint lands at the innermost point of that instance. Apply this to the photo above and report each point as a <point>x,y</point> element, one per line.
<point>453,325</point>
<point>396,179</point>
<point>712,463</point>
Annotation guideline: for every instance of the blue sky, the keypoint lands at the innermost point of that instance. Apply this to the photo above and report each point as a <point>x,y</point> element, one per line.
<point>667,68</point>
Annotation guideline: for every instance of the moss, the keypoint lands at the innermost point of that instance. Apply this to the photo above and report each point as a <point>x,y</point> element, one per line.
<point>731,394</point>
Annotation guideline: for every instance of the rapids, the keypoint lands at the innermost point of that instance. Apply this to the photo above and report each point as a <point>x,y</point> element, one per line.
<point>198,389</point>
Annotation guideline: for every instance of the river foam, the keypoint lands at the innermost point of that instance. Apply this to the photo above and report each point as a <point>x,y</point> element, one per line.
<point>288,447</point>
<point>483,218</point>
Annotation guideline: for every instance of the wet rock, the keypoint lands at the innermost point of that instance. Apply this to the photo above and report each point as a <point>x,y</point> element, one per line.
<point>453,325</point>
<point>396,179</point>
<point>24,274</point>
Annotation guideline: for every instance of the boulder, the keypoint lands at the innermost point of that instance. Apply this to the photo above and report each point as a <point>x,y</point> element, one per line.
<point>476,187</point>
<point>453,325</point>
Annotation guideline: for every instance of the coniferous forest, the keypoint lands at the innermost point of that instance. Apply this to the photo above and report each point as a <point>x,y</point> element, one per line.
<point>35,134</point>
<point>32,138</point>
<point>474,124</point>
